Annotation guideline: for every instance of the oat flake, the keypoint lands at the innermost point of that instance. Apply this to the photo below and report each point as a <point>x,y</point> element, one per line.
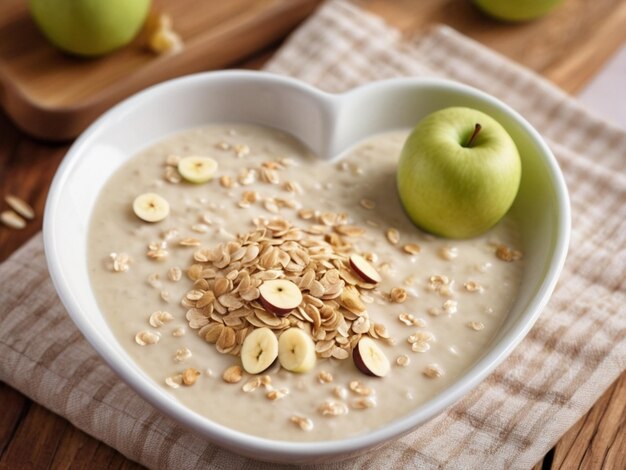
<point>146,338</point>
<point>306,424</point>
<point>433,371</point>
<point>20,206</point>
<point>403,360</point>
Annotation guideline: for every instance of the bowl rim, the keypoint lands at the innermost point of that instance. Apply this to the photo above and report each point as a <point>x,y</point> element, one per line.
<point>268,448</point>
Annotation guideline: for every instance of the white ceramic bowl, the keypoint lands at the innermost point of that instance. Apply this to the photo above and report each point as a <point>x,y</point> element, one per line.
<point>328,124</point>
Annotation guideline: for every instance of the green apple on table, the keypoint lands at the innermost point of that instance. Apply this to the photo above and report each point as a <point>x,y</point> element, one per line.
<point>89,27</point>
<point>459,173</point>
<point>516,10</point>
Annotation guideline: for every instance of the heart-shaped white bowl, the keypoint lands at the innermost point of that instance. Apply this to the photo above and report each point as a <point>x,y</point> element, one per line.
<point>328,124</point>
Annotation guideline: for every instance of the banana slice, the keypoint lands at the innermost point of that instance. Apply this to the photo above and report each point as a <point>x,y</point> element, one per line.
<point>365,270</point>
<point>280,296</point>
<point>197,169</point>
<point>259,350</point>
<point>369,358</point>
<point>151,207</point>
<point>296,351</point>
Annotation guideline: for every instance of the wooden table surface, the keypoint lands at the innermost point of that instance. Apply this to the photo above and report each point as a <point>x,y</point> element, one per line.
<point>568,46</point>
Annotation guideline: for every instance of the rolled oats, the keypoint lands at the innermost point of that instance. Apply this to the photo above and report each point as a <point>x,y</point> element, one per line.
<point>270,205</point>
<point>380,331</point>
<point>190,376</point>
<point>233,374</point>
<point>420,346</point>
<point>248,198</point>
<point>306,424</point>
<point>360,389</point>
<point>333,408</point>
<point>189,241</point>
<point>226,181</point>
<point>393,235</point>
<point>450,306</point>
<point>20,206</point>
<point>174,381</point>
<point>472,286</point>
<point>439,284</point>
<point>245,248</point>
<point>292,187</point>
<point>324,377</point>
<point>350,230</point>
<point>507,254</point>
<point>433,371</point>
<point>200,228</point>
<point>146,338</point>
<point>340,392</point>
<point>306,214</point>
<point>162,39</point>
<point>277,394</point>
<point>426,336</point>
<point>157,250</point>
<point>119,262</point>
<point>476,325</point>
<point>251,385</point>
<point>266,381</point>
<point>340,353</point>
<point>269,175</point>
<point>410,320</point>
<point>174,274</point>
<point>179,331</point>
<point>361,325</point>
<point>182,354</point>
<point>434,311</point>
<point>224,304</point>
<point>398,295</point>
<point>363,403</point>
<point>159,318</point>
<point>412,248</point>
<point>448,253</point>
<point>241,150</point>
<point>403,360</point>
<point>171,175</point>
<point>246,176</point>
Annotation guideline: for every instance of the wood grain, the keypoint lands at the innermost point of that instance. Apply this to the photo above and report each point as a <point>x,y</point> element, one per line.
<point>54,96</point>
<point>568,46</point>
<point>598,440</point>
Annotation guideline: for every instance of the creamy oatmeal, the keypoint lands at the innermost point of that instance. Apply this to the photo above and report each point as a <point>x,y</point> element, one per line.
<point>182,295</point>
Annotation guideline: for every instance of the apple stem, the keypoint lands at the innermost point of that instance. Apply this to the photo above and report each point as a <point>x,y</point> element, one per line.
<point>470,141</point>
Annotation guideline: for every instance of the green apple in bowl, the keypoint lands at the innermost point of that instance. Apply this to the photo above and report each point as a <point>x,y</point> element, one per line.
<point>459,173</point>
<point>89,27</point>
<point>516,10</point>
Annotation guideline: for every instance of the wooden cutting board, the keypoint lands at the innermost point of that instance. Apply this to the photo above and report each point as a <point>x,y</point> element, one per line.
<point>54,96</point>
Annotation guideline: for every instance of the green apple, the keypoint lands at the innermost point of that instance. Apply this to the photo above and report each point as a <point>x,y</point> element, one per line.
<point>89,27</point>
<point>459,172</point>
<point>516,10</point>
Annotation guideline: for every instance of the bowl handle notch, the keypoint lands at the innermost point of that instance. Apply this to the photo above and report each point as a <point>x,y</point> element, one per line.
<point>279,102</point>
<point>328,124</point>
<point>380,107</point>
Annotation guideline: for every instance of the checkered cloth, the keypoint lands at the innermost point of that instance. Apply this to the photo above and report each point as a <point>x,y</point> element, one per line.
<point>575,351</point>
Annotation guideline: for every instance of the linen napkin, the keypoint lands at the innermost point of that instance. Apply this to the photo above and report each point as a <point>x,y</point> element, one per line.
<point>575,351</point>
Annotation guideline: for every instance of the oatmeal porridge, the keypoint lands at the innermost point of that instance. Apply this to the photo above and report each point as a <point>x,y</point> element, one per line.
<point>280,254</point>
